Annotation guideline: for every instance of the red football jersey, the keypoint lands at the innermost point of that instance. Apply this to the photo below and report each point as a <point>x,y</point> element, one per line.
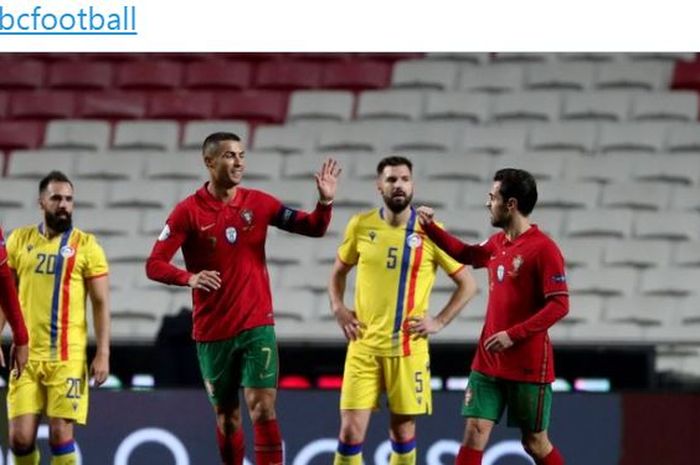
<point>522,274</point>
<point>228,238</point>
<point>3,251</point>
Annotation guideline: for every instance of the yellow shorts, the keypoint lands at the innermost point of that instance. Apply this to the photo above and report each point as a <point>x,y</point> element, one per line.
<point>56,389</point>
<point>406,381</point>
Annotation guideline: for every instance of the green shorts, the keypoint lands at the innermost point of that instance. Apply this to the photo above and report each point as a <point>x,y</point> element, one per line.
<point>529,404</point>
<point>248,359</point>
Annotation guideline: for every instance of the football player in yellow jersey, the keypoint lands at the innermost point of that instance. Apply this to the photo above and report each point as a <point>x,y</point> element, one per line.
<point>388,328</point>
<point>57,266</point>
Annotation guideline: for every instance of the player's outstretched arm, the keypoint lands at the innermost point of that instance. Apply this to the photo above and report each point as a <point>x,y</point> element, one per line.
<point>465,291</point>
<point>98,291</point>
<point>346,318</point>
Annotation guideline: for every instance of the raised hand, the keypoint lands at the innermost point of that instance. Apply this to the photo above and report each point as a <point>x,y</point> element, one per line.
<point>327,180</point>
<point>426,215</point>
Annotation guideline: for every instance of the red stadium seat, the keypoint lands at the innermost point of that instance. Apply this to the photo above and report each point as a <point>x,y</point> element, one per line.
<point>42,104</point>
<point>686,75</point>
<point>21,134</point>
<point>257,106</point>
<point>114,104</point>
<point>218,74</point>
<point>83,75</point>
<point>181,105</point>
<point>356,75</point>
<point>288,75</point>
<point>149,75</point>
<point>4,104</point>
<point>28,74</point>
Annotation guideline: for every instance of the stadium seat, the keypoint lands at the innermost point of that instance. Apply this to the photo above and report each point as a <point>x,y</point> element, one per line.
<point>320,105</point>
<point>584,309</point>
<point>686,198</point>
<point>288,75</point>
<point>560,76</point>
<point>110,165</point>
<point>122,276</point>
<point>492,79</point>
<point>81,75</point>
<point>519,57</point>
<point>589,57</point>
<point>632,137</point>
<point>636,196</point>
<point>139,194</point>
<point>687,254</point>
<point>21,134</point>
<point>194,132</point>
<point>577,137</point>
<point>544,166</point>
<point>339,222</point>
<point>146,135</point>
<point>686,75</point>
<point>661,57</point>
<point>599,169</point>
<point>180,105</point>
<point>445,194</point>
<point>296,304</point>
<point>257,106</point>
<point>91,194</point>
<point>287,139</point>
<point>390,105</point>
<point>218,75</point>
<point>360,136</point>
<point>458,57</point>
<point>581,252</point>
<point>112,105</point>
<point>689,309</point>
<point>604,282</point>
<point>114,223</point>
<point>35,164</point>
<point>526,107</point>
<point>129,249</point>
<point>152,223</point>
<point>471,226</point>
<point>19,193</point>
<point>305,165</point>
<point>309,277</point>
<point>633,76</point>
<point>425,74</point>
<point>606,332</point>
<point>149,75</point>
<point>549,220</point>
<point>567,195</point>
<point>422,137</point>
<point>288,249</point>
<point>4,104</point>
<point>665,106</point>
<point>679,169</point>
<point>670,281</point>
<point>596,106</point>
<point>642,310</point>
<point>263,166</point>
<point>599,223</point>
<point>15,218</point>
<point>356,75</point>
<point>42,105</point>
<point>356,195</point>
<point>494,139</point>
<point>133,329</point>
<point>684,138</point>
<point>473,167</point>
<point>637,253</point>
<point>474,195</point>
<point>301,194</point>
<point>175,166</point>
<point>77,135</point>
<point>457,106</point>
<point>22,74</point>
<point>151,304</point>
<point>669,225</point>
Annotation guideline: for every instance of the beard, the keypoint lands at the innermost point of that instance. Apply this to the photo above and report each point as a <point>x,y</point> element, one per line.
<point>59,222</point>
<point>500,219</point>
<point>398,204</point>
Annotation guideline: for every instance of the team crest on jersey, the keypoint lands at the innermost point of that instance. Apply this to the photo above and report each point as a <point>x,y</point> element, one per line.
<point>500,273</point>
<point>67,251</point>
<point>231,234</point>
<point>414,240</point>
<point>372,235</point>
<point>30,247</point>
<point>247,217</point>
<point>517,263</point>
<point>165,233</point>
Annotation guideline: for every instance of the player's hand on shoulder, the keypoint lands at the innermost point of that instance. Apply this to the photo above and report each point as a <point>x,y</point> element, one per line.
<point>426,215</point>
<point>424,326</point>
<point>206,280</point>
<point>498,342</point>
<point>348,322</point>
<point>327,179</point>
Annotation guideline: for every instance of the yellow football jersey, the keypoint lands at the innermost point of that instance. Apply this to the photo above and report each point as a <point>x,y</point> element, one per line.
<point>395,273</point>
<point>52,289</point>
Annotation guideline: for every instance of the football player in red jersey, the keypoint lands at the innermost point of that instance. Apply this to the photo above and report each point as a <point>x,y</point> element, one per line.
<point>9,302</point>
<point>513,365</point>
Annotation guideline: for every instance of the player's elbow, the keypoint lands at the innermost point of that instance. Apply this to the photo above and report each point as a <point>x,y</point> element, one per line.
<point>152,266</point>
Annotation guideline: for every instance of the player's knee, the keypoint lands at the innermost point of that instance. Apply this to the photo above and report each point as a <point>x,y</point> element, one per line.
<point>262,411</point>
<point>477,434</point>
<point>536,445</point>
<point>21,443</point>
<point>350,433</point>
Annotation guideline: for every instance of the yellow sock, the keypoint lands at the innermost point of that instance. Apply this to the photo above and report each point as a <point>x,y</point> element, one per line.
<point>403,453</point>
<point>28,459</point>
<point>348,454</point>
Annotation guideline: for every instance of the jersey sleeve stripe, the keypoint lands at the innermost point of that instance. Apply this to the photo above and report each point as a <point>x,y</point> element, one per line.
<point>55,299</point>
<point>457,270</point>
<point>99,275</point>
<point>65,305</point>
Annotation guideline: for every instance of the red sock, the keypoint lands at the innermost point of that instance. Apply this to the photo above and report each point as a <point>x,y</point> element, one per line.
<point>268,443</point>
<point>231,447</point>
<point>553,458</point>
<point>469,456</point>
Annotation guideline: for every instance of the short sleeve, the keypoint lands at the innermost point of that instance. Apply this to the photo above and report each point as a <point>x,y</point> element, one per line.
<point>347,252</point>
<point>96,260</point>
<point>553,273</point>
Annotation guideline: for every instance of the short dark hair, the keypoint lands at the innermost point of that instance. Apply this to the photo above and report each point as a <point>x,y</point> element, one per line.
<point>53,176</point>
<point>519,185</point>
<point>394,161</point>
<point>214,139</point>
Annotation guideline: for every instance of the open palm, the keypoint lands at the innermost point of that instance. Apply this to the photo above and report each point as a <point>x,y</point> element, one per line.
<point>327,179</point>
